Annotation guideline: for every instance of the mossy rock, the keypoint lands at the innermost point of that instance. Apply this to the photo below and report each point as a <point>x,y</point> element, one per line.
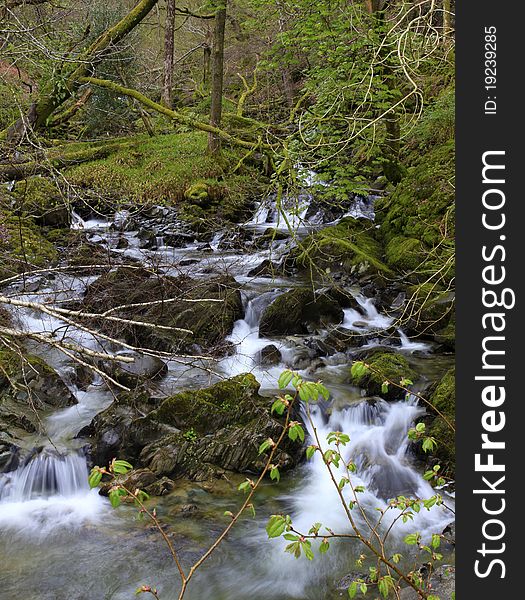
<point>28,386</point>
<point>422,204</point>
<point>198,194</point>
<point>206,410</point>
<point>447,336</point>
<point>433,309</point>
<point>34,379</point>
<point>404,254</point>
<point>43,201</point>
<point>207,322</point>
<point>444,399</point>
<point>22,246</point>
<point>384,365</point>
<point>350,246</point>
<point>299,311</point>
<point>195,433</point>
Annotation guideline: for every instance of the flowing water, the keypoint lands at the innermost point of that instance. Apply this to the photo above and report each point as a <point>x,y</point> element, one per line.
<point>61,540</point>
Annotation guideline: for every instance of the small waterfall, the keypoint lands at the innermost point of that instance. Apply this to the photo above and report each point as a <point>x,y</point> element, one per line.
<point>371,319</point>
<point>248,344</point>
<point>47,494</point>
<point>379,447</point>
<point>410,346</point>
<point>291,214</point>
<point>46,474</point>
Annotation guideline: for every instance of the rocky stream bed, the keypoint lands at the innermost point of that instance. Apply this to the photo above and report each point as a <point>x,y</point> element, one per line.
<point>198,410</point>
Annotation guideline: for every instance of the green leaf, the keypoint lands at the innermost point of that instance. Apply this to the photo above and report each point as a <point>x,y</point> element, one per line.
<point>310,451</point>
<point>284,379</point>
<point>307,549</point>
<point>244,486</point>
<point>358,369</point>
<point>304,393</point>
<point>412,539</point>
<point>363,587</point>
<point>323,548</point>
<point>323,391</point>
<point>384,387</point>
<point>278,406</point>
<point>121,467</point>
<point>436,541</point>
<point>429,444</point>
<point>114,498</point>
<point>352,590</point>
<point>276,526</point>
<point>95,478</point>
<point>275,475</point>
<point>265,445</point>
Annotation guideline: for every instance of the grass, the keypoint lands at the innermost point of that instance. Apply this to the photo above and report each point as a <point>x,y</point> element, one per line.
<point>161,170</point>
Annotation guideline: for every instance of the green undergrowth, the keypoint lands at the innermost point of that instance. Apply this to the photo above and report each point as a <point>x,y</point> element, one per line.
<point>22,245</point>
<point>350,244</point>
<point>165,168</point>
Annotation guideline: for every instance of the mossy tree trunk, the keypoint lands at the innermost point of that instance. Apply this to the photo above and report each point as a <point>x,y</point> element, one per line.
<point>392,170</point>
<point>217,75</point>
<point>62,87</point>
<point>169,49</point>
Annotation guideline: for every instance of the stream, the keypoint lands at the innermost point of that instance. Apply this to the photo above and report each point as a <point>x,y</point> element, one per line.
<point>63,541</point>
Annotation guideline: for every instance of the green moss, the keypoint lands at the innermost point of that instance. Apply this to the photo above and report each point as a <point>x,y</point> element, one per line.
<point>208,409</point>
<point>22,246</point>
<point>350,245</point>
<point>433,307</point>
<point>165,170</point>
<point>198,193</point>
<point>404,254</point>
<point>420,210</point>
<point>384,365</point>
<point>294,312</point>
<point>422,205</point>
<point>444,399</point>
<point>10,364</point>
<point>447,335</point>
<point>42,200</point>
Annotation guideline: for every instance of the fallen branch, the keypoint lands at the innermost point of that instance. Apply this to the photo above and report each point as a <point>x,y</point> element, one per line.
<point>176,116</point>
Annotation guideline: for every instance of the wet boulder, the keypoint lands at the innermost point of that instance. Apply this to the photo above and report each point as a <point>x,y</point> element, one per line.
<point>27,379</point>
<point>179,314</point>
<point>384,364</point>
<point>195,433</point>
<point>270,355</point>
<point>300,311</point>
<point>131,374</point>
<point>28,386</point>
<point>266,268</point>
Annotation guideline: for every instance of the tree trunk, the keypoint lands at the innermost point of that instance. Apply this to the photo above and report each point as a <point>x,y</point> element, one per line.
<point>217,76</point>
<point>447,19</point>
<point>169,31</point>
<point>60,90</point>
<point>206,64</point>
